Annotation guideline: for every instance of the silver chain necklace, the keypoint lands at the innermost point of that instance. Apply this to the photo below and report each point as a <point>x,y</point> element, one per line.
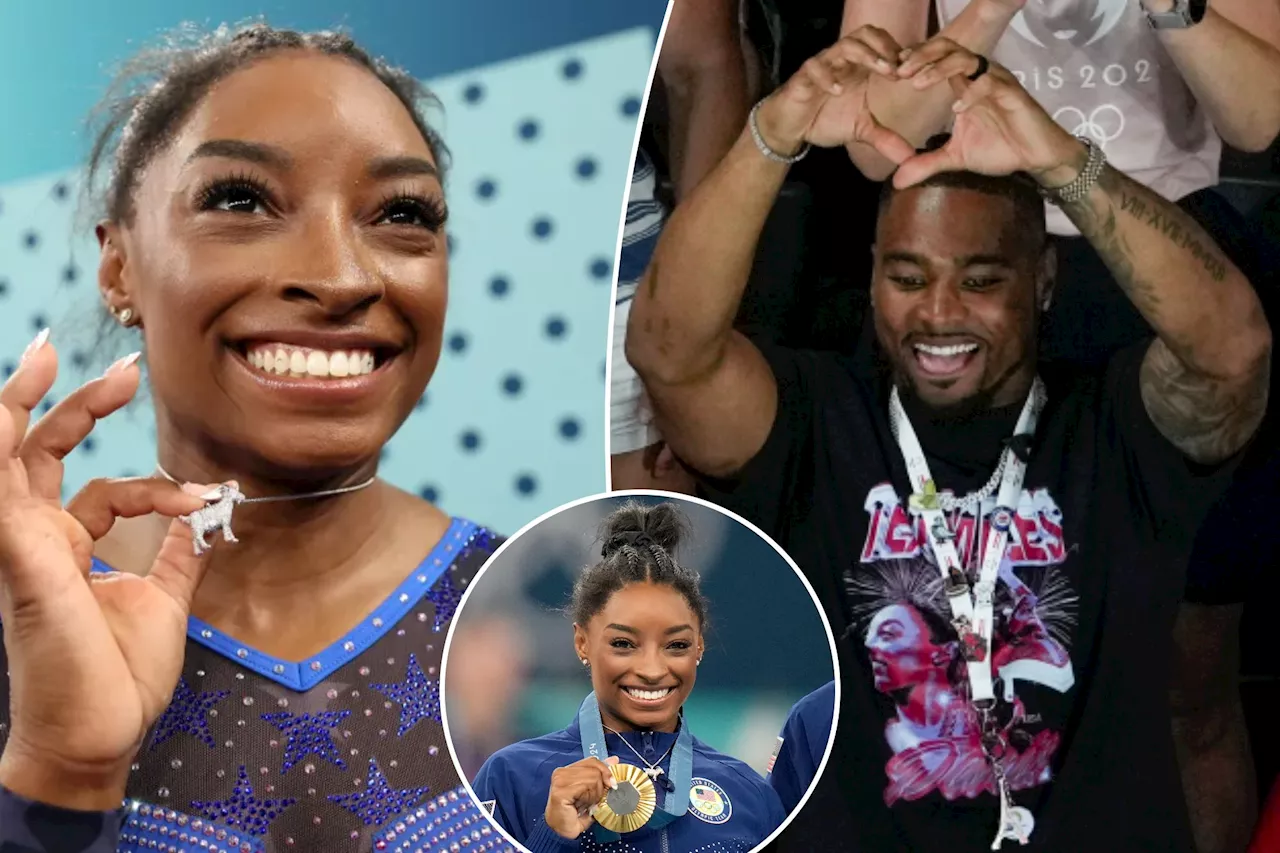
<point>653,771</point>
<point>216,515</point>
<point>972,501</point>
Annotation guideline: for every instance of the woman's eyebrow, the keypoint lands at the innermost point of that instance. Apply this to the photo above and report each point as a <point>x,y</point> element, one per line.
<point>382,168</point>
<point>379,168</point>
<point>241,149</point>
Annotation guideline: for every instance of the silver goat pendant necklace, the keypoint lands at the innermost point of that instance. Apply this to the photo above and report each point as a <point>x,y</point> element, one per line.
<point>215,516</point>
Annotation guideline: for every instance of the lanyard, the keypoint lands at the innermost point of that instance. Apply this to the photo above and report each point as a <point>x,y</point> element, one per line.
<point>972,615</point>
<point>675,802</point>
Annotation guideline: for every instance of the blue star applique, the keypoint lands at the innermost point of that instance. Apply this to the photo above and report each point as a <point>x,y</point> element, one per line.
<point>188,713</point>
<point>379,802</point>
<point>307,734</point>
<point>242,809</point>
<point>445,596</point>
<point>418,696</point>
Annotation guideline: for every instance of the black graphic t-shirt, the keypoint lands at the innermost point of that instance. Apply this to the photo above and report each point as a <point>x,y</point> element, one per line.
<point>1085,603</point>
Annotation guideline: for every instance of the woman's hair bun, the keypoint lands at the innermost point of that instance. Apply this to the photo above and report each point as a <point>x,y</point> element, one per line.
<point>664,525</point>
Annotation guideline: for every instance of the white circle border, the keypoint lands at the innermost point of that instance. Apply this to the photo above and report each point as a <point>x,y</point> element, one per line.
<point>493,558</point>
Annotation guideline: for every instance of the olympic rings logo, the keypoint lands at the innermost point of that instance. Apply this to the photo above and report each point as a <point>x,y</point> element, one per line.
<point>1102,125</point>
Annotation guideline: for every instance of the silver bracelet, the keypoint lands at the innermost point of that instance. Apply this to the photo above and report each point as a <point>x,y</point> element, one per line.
<point>764,146</point>
<point>1083,182</point>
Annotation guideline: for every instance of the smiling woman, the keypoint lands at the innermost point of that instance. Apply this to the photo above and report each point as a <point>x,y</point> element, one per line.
<point>274,226</point>
<point>628,772</point>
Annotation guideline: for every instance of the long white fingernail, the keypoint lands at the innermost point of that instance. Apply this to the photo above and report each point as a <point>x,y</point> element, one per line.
<point>125,363</point>
<point>37,344</point>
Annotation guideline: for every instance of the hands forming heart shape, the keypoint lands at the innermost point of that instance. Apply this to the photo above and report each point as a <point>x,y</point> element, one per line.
<point>998,129</point>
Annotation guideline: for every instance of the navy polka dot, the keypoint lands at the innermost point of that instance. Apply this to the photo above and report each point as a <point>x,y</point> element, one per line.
<point>60,191</point>
<point>512,384</point>
<point>542,228</point>
<point>421,404</point>
<point>48,404</point>
<point>556,327</point>
<point>451,244</point>
<point>9,368</point>
<point>31,239</point>
<point>429,493</point>
<point>4,287</point>
<point>528,129</point>
<point>570,428</point>
<point>526,484</point>
<point>80,359</point>
<point>499,286</point>
<point>586,167</point>
<point>39,322</point>
<point>631,106</point>
<point>384,454</point>
<point>470,440</point>
<point>600,268</point>
<point>486,189</point>
<point>572,69</point>
<point>473,94</point>
<point>458,342</point>
<point>70,274</point>
<point>88,445</point>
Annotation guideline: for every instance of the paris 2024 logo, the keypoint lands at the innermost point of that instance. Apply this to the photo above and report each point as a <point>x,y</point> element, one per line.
<point>1079,22</point>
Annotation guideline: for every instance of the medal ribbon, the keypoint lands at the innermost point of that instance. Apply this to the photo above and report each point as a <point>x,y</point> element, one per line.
<point>674,803</point>
<point>972,615</point>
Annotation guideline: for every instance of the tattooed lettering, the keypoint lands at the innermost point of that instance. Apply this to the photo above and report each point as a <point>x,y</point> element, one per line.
<point>1178,233</point>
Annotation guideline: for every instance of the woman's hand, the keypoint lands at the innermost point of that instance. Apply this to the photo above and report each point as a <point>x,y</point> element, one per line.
<point>825,102</point>
<point>574,790</point>
<point>93,659</point>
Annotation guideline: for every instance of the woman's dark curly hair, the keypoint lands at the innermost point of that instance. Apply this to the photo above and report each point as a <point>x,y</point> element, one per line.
<point>639,546</point>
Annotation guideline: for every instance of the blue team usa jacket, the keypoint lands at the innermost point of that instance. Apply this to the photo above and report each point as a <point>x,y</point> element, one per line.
<point>802,744</point>
<point>731,808</point>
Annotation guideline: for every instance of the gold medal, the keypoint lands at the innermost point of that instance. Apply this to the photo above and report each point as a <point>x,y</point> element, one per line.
<point>629,806</point>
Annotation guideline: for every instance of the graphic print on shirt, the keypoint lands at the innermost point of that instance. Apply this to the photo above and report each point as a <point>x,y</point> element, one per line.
<point>900,615</point>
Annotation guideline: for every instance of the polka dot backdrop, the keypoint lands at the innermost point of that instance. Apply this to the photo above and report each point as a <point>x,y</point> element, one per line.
<point>513,422</point>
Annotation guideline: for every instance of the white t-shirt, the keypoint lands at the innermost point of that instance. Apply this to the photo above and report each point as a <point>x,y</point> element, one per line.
<point>1100,70</point>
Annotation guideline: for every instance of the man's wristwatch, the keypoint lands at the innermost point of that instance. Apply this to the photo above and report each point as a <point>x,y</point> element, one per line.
<point>1185,13</point>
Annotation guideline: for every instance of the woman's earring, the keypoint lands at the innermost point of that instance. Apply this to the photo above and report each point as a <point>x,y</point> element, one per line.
<point>584,662</point>
<point>124,316</point>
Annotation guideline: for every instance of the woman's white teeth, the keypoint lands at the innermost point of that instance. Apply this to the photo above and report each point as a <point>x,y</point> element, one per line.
<point>281,360</point>
<point>649,695</point>
<point>954,349</point>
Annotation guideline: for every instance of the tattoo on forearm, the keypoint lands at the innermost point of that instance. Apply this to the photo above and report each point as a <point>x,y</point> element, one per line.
<point>1208,419</point>
<point>1177,232</point>
<point>1102,229</point>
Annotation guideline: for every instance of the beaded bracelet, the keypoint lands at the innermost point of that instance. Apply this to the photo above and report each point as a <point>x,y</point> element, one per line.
<point>764,146</point>
<point>1083,182</point>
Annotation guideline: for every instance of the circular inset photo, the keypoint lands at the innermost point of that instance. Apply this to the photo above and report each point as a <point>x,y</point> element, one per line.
<point>639,672</point>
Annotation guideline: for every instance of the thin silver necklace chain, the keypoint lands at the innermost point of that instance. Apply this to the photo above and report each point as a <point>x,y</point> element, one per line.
<point>271,498</point>
<point>654,770</point>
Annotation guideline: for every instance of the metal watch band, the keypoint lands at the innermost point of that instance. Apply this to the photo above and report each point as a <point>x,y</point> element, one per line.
<point>1180,17</point>
<point>763,146</point>
<point>1083,182</point>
